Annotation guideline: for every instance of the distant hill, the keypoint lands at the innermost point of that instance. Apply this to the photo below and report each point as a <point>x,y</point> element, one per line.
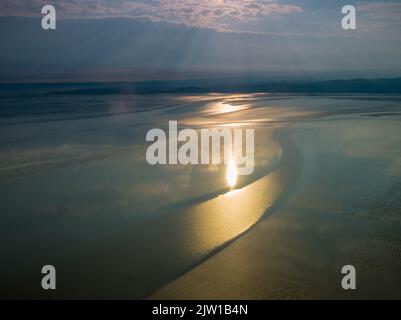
<point>377,86</point>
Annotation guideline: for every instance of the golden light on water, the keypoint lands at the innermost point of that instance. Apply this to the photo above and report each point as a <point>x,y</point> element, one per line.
<point>216,221</point>
<point>231,174</point>
<point>223,107</point>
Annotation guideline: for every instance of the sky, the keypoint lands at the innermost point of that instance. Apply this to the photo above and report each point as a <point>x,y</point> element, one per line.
<point>162,39</point>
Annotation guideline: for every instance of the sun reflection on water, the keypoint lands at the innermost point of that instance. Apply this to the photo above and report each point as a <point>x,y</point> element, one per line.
<point>223,108</point>
<point>231,174</point>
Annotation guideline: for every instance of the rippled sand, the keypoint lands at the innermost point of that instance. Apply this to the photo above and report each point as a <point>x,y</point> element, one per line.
<point>345,210</point>
<point>77,193</point>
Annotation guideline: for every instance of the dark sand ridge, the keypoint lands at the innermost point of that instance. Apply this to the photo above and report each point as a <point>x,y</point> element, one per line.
<point>165,245</point>
<point>298,252</point>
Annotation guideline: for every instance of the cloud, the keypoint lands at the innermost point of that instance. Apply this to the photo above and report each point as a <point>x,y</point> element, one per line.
<point>380,7</point>
<point>380,16</point>
<point>216,14</point>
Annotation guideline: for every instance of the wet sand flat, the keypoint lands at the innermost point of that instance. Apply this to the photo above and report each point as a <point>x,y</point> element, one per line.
<point>78,193</point>
<point>346,210</point>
